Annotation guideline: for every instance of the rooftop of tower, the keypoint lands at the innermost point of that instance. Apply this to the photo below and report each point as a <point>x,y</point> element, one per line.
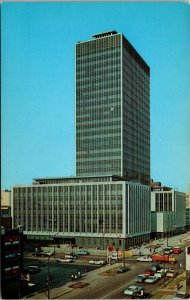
<point>103,34</point>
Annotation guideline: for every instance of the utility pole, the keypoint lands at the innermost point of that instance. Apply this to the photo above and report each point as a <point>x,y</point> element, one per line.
<point>48,280</point>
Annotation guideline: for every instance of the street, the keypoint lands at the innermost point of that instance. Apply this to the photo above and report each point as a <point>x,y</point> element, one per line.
<point>100,285</point>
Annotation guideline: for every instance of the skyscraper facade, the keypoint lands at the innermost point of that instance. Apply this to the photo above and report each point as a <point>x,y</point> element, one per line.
<point>112,109</point>
<point>108,202</point>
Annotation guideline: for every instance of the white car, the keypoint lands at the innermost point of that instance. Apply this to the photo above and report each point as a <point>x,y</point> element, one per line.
<point>67,260</point>
<point>151,279</point>
<point>115,255</point>
<point>159,274</point>
<point>145,258</point>
<point>47,253</point>
<point>162,271</point>
<point>97,262</point>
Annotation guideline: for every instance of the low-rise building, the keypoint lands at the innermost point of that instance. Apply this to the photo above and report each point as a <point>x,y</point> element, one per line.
<point>167,211</point>
<point>86,211</point>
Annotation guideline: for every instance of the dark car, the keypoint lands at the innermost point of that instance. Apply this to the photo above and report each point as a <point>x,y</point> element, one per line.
<point>31,269</point>
<point>141,277</point>
<point>74,256</point>
<point>42,254</point>
<point>122,269</point>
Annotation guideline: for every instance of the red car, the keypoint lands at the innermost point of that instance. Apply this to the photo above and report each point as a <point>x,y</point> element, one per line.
<point>149,272</point>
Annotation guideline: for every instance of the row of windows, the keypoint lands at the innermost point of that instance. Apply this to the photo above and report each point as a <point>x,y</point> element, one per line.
<point>98,44</point>
<point>99,124</point>
<point>116,154</point>
<point>98,57</point>
<point>99,114</point>
<point>97,64</point>
<point>84,55</point>
<point>163,201</point>
<point>66,189</point>
<point>111,78</point>
<point>104,71</point>
<point>102,86</point>
<point>99,95</point>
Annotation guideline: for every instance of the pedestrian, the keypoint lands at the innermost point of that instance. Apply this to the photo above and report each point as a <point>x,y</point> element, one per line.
<point>72,277</point>
<point>76,277</point>
<point>79,274</point>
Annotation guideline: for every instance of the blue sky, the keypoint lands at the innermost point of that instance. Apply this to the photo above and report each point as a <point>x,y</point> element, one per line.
<point>38,92</point>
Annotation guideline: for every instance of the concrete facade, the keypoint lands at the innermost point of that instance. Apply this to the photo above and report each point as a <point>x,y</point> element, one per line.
<point>112,109</point>
<point>84,213</point>
<point>167,211</point>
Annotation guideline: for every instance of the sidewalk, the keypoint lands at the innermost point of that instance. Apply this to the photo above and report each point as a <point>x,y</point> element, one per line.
<point>170,290</point>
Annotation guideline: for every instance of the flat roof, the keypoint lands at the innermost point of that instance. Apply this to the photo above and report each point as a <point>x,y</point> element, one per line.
<point>78,177</point>
<point>103,34</point>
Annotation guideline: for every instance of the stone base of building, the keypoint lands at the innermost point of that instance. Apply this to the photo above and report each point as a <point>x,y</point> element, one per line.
<point>90,242</point>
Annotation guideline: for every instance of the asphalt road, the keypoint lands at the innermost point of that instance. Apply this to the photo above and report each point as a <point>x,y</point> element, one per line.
<point>112,287</point>
<point>109,287</point>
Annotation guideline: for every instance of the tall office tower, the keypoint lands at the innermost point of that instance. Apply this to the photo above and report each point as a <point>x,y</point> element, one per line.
<point>112,109</point>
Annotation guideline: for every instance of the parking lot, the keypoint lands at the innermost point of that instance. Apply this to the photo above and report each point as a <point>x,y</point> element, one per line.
<point>59,273</point>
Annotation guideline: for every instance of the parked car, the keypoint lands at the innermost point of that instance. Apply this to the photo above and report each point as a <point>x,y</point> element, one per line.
<point>162,271</point>
<point>82,252</point>
<point>31,269</point>
<point>149,272</point>
<point>67,260</point>
<point>122,269</point>
<point>141,277</point>
<point>115,255</point>
<point>155,267</point>
<point>74,256</point>
<point>43,254</point>
<point>47,253</point>
<point>151,279</point>
<point>145,258</point>
<point>159,274</point>
<point>133,290</point>
<point>168,250</point>
<point>70,256</point>
<point>97,262</point>
<point>171,273</point>
<point>177,250</point>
